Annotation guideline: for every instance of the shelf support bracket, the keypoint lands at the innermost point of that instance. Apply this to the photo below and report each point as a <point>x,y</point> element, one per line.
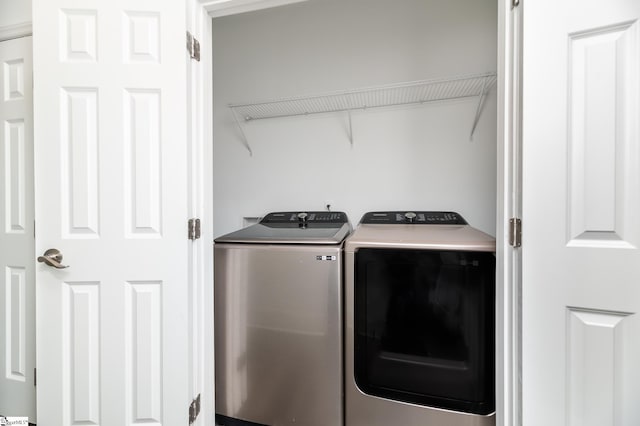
<point>481,98</point>
<point>350,129</point>
<point>245,142</point>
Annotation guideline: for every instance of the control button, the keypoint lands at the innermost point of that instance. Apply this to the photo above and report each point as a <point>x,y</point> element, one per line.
<point>410,217</point>
<point>302,219</point>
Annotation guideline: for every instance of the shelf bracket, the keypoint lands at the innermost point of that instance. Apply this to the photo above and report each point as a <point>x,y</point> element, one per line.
<point>481,98</point>
<point>350,129</point>
<point>245,142</point>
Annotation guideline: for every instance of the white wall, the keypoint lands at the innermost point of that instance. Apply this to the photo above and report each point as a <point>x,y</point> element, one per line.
<point>14,12</point>
<point>416,158</point>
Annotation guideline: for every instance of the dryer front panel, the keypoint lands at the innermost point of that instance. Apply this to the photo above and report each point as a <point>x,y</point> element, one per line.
<point>424,329</point>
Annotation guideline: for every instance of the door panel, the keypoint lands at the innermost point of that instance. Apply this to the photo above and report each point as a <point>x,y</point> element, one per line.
<point>581,186</point>
<point>596,366</point>
<point>17,299</point>
<point>111,191</point>
<point>603,70</point>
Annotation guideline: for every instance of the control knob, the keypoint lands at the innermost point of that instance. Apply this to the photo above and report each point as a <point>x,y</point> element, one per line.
<point>410,217</point>
<point>302,219</point>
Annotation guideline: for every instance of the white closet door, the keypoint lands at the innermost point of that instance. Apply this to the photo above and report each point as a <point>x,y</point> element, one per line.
<point>17,297</point>
<point>111,196</point>
<point>581,210</point>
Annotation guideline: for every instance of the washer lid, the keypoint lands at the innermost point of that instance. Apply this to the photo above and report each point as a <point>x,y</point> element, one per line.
<point>304,227</point>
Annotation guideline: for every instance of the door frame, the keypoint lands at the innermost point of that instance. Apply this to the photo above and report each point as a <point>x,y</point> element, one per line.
<point>509,190</point>
<point>199,88</point>
<point>509,205</point>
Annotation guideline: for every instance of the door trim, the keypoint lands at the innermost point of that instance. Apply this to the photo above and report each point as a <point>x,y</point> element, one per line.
<point>199,88</point>
<point>509,196</point>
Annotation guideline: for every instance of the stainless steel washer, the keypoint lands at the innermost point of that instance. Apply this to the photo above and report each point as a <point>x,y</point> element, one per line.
<point>419,321</point>
<point>278,321</point>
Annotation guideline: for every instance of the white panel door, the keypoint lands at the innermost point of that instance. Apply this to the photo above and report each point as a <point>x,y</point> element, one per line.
<point>581,210</point>
<point>111,194</point>
<point>17,298</point>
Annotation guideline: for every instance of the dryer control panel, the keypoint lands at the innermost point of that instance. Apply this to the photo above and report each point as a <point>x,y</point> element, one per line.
<point>413,217</point>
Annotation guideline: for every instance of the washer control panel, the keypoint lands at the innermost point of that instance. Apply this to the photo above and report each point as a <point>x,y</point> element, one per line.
<point>413,217</point>
<point>305,217</point>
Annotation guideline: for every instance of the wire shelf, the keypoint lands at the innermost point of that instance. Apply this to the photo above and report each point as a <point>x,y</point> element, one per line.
<point>416,92</point>
<point>373,97</point>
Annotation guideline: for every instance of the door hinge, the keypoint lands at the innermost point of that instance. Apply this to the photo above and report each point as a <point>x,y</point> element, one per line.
<point>194,229</point>
<point>193,47</point>
<point>35,375</point>
<point>194,410</point>
<point>515,232</point>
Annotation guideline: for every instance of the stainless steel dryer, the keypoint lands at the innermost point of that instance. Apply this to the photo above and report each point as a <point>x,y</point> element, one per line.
<point>419,321</point>
<point>278,321</point>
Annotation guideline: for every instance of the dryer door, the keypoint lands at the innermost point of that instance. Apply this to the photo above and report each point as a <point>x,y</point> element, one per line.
<point>424,326</point>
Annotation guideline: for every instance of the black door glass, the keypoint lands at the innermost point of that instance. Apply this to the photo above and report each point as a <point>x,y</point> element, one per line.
<point>424,324</point>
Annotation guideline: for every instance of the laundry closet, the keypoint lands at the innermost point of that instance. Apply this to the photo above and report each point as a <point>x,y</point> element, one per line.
<point>352,106</point>
<point>436,155</point>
